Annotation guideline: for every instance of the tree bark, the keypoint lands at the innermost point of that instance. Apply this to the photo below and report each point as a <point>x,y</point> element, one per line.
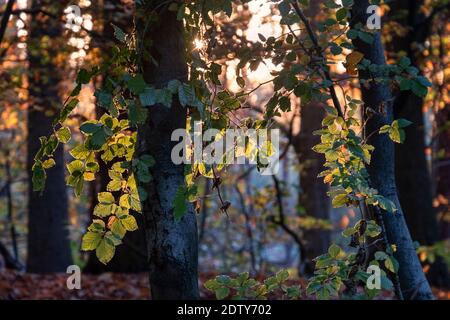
<point>172,245</point>
<point>313,194</point>
<point>412,171</point>
<point>413,283</point>
<point>48,235</point>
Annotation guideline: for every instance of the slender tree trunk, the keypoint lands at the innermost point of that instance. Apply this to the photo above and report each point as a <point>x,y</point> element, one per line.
<point>413,283</point>
<point>5,19</point>
<point>48,235</point>
<point>172,245</point>
<point>412,171</point>
<point>313,194</point>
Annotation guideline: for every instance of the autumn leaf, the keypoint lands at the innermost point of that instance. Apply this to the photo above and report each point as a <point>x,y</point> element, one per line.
<point>352,61</point>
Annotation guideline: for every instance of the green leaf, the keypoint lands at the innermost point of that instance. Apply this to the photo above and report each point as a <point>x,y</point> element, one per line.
<point>91,241</point>
<point>173,85</point>
<point>39,177</point>
<point>148,97</point>
<point>366,37</point>
<point>105,198</point>
<point>424,81</point>
<point>105,251</point>
<point>105,100</point>
<point>180,206</point>
<point>404,62</point>
<point>403,123</point>
<point>391,264</point>
<point>341,14</point>
<point>97,225</point>
<point>282,275</point>
<point>137,84</point>
<point>164,97</point>
<point>285,103</point>
<point>75,167</point>
<point>335,49</point>
<point>137,114</point>
<point>373,229</point>
<point>186,94</point>
<point>118,229</point>
<point>352,34</point>
<point>63,135</point>
<point>222,293</point>
<point>405,84</point>
<point>79,152</point>
<point>129,222</point>
<point>334,250</point>
<point>112,238</point>
<point>104,210</point>
<point>339,200</point>
<point>114,185</point>
<point>347,3</point>
<point>241,82</point>
<point>90,127</point>
<point>83,76</point>
<point>49,163</point>
<point>119,34</point>
<point>380,255</point>
<point>418,89</point>
<point>148,160</point>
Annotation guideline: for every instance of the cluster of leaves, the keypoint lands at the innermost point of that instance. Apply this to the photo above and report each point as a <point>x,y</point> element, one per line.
<point>440,249</point>
<point>125,98</point>
<point>306,73</point>
<point>347,155</point>
<point>339,272</point>
<point>243,287</point>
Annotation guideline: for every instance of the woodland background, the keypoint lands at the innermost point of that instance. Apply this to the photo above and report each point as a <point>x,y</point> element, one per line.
<point>270,219</point>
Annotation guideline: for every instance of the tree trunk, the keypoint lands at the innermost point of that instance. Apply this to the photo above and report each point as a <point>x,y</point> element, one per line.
<point>413,283</point>
<point>48,235</point>
<point>313,194</point>
<point>172,245</point>
<point>412,172</point>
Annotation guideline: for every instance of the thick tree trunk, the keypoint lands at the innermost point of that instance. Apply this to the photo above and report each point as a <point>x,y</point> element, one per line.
<point>313,194</point>
<point>413,283</point>
<point>172,245</point>
<point>412,172</point>
<point>48,235</point>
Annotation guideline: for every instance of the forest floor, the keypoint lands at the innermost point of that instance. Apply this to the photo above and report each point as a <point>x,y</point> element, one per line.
<point>18,285</point>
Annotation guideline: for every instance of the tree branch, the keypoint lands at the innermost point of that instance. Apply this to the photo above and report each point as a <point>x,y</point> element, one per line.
<point>319,51</point>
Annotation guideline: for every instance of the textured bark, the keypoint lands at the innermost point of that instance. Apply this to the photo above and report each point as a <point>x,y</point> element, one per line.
<point>172,245</point>
<point>313,194</point>
<point>48,235</point>
<point>413,283</point>
<point>412,172</point>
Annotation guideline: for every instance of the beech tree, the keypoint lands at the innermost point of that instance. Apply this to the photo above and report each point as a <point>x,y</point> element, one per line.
<point>379,112</point>
<point>172,244</point>
<point>412,170</point>
<point>157,81</point>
